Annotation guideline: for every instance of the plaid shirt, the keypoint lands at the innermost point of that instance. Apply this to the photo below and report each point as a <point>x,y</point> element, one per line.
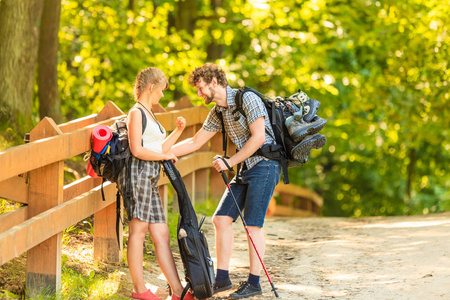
<point>239,131</point>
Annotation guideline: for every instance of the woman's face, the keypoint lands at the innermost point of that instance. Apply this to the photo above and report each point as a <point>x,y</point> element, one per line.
<point>158,92</point>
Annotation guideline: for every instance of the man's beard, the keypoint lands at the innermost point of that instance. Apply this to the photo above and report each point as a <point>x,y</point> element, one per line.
<point>209,99</point>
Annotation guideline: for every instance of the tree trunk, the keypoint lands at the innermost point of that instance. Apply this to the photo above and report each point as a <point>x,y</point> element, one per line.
<point>214,50</point>
<point>186,14</point>
<point>131,5</point>
<point>19,38</point>
<point>412,164</point>
<point>49,101</point>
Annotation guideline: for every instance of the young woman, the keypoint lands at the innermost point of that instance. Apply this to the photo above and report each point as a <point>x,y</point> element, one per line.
<point>145,210</point>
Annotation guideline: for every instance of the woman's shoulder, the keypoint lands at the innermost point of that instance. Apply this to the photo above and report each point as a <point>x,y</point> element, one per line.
<point>135,111</point>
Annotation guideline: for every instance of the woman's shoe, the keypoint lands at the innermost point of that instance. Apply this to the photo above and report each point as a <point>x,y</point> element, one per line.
<point>148,295</point>
<point>188,296</point>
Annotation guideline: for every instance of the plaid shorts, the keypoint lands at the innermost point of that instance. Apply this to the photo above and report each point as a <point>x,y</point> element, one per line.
<point>145,203</point>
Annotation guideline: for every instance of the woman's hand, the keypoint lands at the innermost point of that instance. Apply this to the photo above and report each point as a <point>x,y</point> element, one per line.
<point>181,123</point>
<point>171,156</point>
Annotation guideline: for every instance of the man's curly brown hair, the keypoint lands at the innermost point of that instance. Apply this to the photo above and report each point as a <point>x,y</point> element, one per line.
<point>208,71</point>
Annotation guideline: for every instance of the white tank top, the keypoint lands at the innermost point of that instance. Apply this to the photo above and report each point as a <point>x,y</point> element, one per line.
<point>152,137</point>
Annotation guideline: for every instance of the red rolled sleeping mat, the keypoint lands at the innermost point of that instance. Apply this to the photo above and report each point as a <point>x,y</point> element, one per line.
<point>100,137</point>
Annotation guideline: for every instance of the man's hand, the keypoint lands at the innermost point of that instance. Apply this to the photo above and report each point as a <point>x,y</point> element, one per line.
<point>219,165</point>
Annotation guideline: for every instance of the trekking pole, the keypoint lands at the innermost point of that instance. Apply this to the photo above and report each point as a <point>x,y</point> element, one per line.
<point>225,179</point>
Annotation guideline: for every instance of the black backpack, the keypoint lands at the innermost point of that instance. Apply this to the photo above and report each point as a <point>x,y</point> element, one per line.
<point>109,165</point>
<point>278,112</point>
<point>194,252</point>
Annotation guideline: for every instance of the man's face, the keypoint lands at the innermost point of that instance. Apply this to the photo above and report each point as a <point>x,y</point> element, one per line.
<point>205,91</point>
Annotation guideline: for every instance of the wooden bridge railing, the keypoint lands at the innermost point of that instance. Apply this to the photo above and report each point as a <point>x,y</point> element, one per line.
<point>33,174</point>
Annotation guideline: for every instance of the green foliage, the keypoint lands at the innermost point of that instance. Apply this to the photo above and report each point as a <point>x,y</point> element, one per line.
<point>7,206</point>
<point>379,68</point>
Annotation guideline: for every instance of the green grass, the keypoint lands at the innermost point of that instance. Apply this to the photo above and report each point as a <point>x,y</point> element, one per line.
<point>93,285</point>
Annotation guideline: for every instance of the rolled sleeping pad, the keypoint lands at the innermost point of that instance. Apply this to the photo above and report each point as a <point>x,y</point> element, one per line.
<point>100,137</point>
<point>90,171</point>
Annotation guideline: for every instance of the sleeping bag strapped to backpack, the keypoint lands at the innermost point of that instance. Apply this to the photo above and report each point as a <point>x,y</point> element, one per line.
<point>197,262</point>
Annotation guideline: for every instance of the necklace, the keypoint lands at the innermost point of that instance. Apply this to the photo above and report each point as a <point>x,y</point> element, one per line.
<point>153,116</point>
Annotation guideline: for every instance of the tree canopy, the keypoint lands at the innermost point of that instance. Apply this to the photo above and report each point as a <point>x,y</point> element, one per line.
<point>379,69</point>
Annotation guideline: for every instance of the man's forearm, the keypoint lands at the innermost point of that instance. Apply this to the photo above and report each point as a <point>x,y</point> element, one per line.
<point>250,147</point>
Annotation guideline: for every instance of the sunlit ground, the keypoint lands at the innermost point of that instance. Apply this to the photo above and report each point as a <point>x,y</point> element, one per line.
<point>367,258</point>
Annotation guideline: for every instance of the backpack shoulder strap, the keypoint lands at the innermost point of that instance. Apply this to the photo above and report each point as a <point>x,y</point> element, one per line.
<point>144,119</point>
<point>144,122</point>
<point>238,99</point>
<point>224,137</point>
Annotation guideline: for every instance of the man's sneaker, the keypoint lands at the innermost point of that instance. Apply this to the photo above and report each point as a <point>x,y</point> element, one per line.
<point>222,285</point>
<point>310,109</point>
<point>303,149</point>
<point>245,290</point>
<point>298,130</point>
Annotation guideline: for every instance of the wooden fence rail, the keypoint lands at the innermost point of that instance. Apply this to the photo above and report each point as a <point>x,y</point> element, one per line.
<point>33,174</point>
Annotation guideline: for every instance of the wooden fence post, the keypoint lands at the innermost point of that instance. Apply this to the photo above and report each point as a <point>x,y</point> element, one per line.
<point>164,193</point>
<point>202,183</point>
<point>217,186</point>
<point>189,182</point>
<point>45,191</point>
<point>106,246</point>
<point>201,186</point>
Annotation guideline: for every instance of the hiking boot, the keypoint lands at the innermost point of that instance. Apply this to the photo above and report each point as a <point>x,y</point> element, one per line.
<point>245,290</point>
<point>299,98</point>
<point>222,285</point>
<point>148,295</point>
<point>303,149</point>
<point>310,108</point>
<point>293,163</point>
<point>298,130</point>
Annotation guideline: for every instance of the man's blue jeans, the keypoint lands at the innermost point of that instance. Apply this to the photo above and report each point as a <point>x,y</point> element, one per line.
<point>253,194</point>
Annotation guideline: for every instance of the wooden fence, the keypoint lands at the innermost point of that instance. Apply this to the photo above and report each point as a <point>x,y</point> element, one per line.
<point>33,174</point>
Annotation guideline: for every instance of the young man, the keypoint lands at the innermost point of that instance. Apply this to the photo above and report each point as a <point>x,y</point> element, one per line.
<point>259,176</point>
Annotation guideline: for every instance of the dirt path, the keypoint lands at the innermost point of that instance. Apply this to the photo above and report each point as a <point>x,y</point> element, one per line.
<point>338,258</point>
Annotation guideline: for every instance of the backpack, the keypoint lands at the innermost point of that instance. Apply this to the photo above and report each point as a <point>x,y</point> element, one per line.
<point>114,157</point>
<point>110,161</point>
<point>278,109</point>
<point>194,252</point>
